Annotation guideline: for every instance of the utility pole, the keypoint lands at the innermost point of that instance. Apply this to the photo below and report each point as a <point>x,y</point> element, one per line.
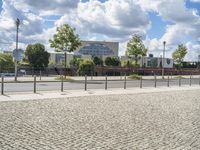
<point>163,58</point>
<point>17,22</point>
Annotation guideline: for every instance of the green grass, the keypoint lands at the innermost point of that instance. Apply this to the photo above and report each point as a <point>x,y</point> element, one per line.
<point>179,77</point>
<point>134,77</point>
<point>67,78</point>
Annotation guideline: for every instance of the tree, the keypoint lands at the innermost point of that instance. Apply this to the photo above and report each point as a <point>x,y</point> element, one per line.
<point>6,62</point>
<point>76,62</point>
<point>112,61</point>
<point>65,40</point>
<point>37,56</point>
<point>98,61</point>
<point>86,67</point>
<point>135,48</point>
<point>179,54</point>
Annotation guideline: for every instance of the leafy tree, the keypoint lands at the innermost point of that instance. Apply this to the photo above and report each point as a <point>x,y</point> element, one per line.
<point>86,67</point>
<point>179,54</point>
<point>128,63</point>
<point>6,62</point>
<point>135,48</point>
<point>37,56</point>
<point>65,40</point>
<point>112,61</point>
<point>76,62</point>
<point>98,61</point>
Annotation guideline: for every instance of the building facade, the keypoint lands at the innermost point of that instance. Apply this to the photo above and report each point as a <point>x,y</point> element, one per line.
<point>98,48</point>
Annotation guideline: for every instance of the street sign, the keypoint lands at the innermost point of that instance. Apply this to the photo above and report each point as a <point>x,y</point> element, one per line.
<point>18,54</point>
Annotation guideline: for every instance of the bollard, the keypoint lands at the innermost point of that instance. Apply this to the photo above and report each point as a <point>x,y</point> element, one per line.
<point>2,85</point>
<point>106,83</point>
<point>85,82</point>
<point>179,81</point>
<point>40,75</point>
<point>125,81</point>
<point>190,80</point>
<point>91,75</point>
<point>155,81</point>
<point>62,84</point>
<point>168,81</point>
<point>199,80</point>
<point>34,83</point>
<point>141,82</point>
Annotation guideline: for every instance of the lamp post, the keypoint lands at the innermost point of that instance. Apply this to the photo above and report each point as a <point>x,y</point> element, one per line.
<point>17,23</point>
<point>163,58</point>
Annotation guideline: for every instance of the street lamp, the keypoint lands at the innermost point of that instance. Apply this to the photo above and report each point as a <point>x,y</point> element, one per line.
<point>163,58</point>
<point>17,23</point>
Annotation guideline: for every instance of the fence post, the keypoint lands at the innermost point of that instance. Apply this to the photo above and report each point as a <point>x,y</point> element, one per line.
<point>125,81</point>
<point>141,82</point>
<point>179,80</point>
<point>168,81</point>
<point>91,75</point>
<point>85,82</point>
<point>62,83</point>
<point>155,81</point>
<point>106,83</point>
<point>2,85</point>
<point>34,83</point>
<point>190,80</point>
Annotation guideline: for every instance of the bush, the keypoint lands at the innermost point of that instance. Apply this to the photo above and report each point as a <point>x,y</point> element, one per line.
<point>86,67</point>
<point>112,61</point>
<point>134,77</point>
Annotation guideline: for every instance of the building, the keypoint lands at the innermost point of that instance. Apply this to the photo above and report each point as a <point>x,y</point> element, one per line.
<point>98,48</point>
<point>154,62</point>
<point>87,50</point>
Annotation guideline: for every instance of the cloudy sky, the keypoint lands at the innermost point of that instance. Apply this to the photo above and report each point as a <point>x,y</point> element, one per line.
<point>173,21</point>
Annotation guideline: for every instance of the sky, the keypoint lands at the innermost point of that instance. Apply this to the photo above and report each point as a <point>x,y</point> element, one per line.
<point>173,21</point>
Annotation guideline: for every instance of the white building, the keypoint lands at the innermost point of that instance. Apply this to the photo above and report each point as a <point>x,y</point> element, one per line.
<point>155,62</point>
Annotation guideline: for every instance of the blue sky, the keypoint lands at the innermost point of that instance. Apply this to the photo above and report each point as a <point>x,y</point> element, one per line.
<point>173,21</point>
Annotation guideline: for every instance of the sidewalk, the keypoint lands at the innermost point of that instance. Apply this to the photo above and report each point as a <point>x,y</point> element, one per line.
<point>78,78</point>
<point>95,92</point>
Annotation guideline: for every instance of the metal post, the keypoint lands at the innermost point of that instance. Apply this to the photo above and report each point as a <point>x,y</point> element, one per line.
<point>125,81</point>
<point>34,83</point>
<point>40,75</point>
<point>141,82</point>
<point>106,83</point>
<point>85,82</point>
<point>2,85</point>
<point>168,81</point>
<point>155,79</point>
<point>62,84</point>
<point>190,80</point>
<point>199,80</point>
<point>163,58</point>
<point>179,80</point>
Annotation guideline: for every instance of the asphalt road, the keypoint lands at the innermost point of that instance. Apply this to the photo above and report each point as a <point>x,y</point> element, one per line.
<point>78,85</point>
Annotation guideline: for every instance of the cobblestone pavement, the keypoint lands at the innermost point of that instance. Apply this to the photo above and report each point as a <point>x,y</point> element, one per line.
<point>166,120</point>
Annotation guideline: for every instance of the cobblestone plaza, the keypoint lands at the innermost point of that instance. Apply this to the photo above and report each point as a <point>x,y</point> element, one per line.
<point>164,120</point>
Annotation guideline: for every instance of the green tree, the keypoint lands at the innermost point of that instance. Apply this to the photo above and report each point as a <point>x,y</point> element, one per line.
<point>37,56</point>
<point>179,54</point>
<point>98,61</point>
<point>112,61</point>
<point>76,62</point>
<point>65,40</point>
<point>6,62</point>
<point>86,67</point>
<point>135,48</point>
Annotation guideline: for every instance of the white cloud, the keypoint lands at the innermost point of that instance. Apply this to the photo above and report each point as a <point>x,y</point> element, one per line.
<point>195,1</point>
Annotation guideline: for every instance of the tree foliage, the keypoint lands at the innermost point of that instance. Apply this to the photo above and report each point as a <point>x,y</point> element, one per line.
<point>135,48</point>
<point>37,56</point>
<point>65,39</point>
<point>112,61</point>
<point>86,67</point>
<point>6,62</point>
<point>76,62</point>
<point>179,54</point>
<point>98,61</point>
